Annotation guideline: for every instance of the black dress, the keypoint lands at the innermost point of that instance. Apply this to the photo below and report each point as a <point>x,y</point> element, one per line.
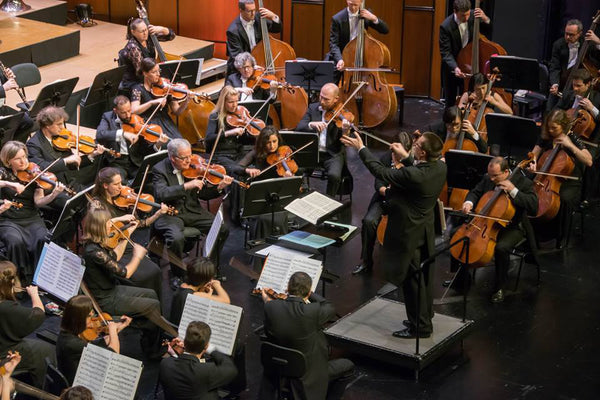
<point>69,348</point>
<point>22,230</point>
<point>161,118</point>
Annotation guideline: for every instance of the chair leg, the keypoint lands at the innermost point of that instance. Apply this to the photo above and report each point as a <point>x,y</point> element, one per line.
<point>519,271</point>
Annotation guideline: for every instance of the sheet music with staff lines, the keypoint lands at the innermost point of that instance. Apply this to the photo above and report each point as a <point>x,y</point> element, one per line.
<point>280,266</point>
<point>313,207</point>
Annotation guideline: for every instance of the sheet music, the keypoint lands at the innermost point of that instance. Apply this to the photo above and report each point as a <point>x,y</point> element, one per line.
<point>59,271</point>
<point>108,375</point>
<point>272,248</point>
<point>280,266</point>
<point>313,207</point>
<point>223,319</point>
<point>213,233</point>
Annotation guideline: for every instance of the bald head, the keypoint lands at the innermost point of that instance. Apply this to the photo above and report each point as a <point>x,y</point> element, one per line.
<point>329,96</point>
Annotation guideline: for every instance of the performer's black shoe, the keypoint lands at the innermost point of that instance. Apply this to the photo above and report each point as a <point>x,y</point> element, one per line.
<point>498,297</point>
<point>361,268</point>
<point>408,333</point>
<point>407,324</point>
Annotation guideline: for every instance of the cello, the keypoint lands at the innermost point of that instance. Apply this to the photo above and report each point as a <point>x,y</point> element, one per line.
<point>160,54</point>
<point>375,103</point>
<point>547,184</point>
<point>493,212</point>
<point>478,119</point>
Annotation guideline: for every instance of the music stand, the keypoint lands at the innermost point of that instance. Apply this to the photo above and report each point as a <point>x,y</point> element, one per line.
<point>66,219</point>
<point>310,75</point>
<point>514,136</point>
<point>517,72</point>
<point>148,160</point>
<point>8,126</point>
<point>189,71</point>
<point>104,87</point>
<point>465,168</point>
<point>53,94</point>
<point>308,158</point>
<point>270,196</point>
<point>254,105</point>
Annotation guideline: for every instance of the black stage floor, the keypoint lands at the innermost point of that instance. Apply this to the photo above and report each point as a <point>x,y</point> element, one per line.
<point>539,344</point>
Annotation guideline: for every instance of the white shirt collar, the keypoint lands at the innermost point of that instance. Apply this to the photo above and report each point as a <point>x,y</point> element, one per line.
<point>457,20</point>
<point>245,23</point>
<point>355,15</point>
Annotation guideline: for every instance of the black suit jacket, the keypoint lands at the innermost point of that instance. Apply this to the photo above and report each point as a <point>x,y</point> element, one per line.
<point>339,33</point>
<point>314,113</point>
<point>292,323</point>
<point>168,190</point>
<point>439,128</point>
<point>566,102</point>
<point>235,80</point>
<point>450,42</point>
<point>43,154</point>
<point>186,378</point>
<point>411,201</point>
<point>237,38</point>
<point>560,59</point>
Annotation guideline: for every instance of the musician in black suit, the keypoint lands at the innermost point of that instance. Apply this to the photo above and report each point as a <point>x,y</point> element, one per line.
<point>582,95</point>
<point>297,322</point>
<point>171,188</point>
<point>344,28</point>
<point>9,83</point>
<point>332,154</point>
<point>409,237</point>
<point>192,375</point>
<point>455,33</point>
<point>245,64</point>
<point>450,126</point>
<point>244,32</point>
<point>131,147</point>
<point>520,190</point>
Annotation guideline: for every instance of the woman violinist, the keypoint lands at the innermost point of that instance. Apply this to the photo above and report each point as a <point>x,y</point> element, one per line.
<point>233,142</point>
<point>77,322</point>
<point>144,103</point>
<point>107,190</point>
<point>137,48</point>
<point>17,322</point>
<point>555,132</point>
<point>102,271</point>
<point>22,229</point>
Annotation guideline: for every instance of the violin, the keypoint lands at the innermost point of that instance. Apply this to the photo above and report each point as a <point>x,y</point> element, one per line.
<point>216,173</point>
<point>118,231</point>
<point>65,140</point>
<point>46,180</point>
<point>281,157</point>
<point>98,326</point>
<point>261,79</point>
<point>128,198</point>
<point>272,294</point>
<point>174,344</point>
<point>151,132</point>
<point>241,118</point>
<point>339,117</point>
<point>178,91</point>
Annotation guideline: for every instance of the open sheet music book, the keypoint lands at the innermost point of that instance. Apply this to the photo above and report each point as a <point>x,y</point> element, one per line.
<point>223,319</point>
<point>59,272</point>
<point>280,266</point>
<point>108,375</point>
<point>313,207</point>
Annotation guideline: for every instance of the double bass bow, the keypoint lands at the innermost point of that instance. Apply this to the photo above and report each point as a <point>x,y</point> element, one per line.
<point>376,102</point>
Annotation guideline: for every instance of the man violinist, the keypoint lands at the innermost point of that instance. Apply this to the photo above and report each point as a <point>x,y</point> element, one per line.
<point>171,188</point>
<point>582,95</point>
<point>455,33</point>
<point>344,28</point>
<point>244,32</point>
<point>520,190</point>
<point>332,154</point>
<point>245,65</point>
<point>130,146</point>
<point>9,83</point>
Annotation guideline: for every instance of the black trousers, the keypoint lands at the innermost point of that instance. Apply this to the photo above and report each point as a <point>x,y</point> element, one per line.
<point>507,239</point>
<point>334,165</point>
<point>368,232</point>
<point>453,86</point>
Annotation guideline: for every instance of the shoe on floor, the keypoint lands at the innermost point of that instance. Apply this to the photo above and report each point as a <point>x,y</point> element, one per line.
<point>498,297</point>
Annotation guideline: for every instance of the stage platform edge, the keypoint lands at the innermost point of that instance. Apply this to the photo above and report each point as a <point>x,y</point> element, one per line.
<point>368,331</point>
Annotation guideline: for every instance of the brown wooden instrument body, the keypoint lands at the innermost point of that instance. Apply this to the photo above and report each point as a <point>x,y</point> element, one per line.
<point>161,56</point>
<point>583,122</point>
<point>65,140</point>
<point>487,49</point>
<point>547,188</point>
<point>193,121</point>
<point>294,103</point>
<point>566,77</point>
<point>283,160</point>
<point>241,118</point>
<point>46,181</point>
<point>128,198</point>
<point>151,132</point>
<point>214,175</point>
<point>483,232</point>
<point>98,326</point>
<point>378,98</point>
<point>118,231</point>
<point>480,126</point>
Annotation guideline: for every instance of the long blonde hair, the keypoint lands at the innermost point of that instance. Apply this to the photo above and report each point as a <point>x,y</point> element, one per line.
<point>94,225</point>
<point>222,113</point>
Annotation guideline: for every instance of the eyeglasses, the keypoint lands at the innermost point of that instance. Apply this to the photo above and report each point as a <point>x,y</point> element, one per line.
<point>184,158</point>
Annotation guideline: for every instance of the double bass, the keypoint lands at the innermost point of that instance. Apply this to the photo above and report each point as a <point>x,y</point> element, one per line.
<point>160,54</point>
<point>375,102</point>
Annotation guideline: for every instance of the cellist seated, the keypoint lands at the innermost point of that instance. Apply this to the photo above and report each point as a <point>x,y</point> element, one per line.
<point>450,126</point>
<point>521,193</point>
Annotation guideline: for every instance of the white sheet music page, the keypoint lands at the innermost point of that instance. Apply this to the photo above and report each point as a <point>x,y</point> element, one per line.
<point>59,271</point>
<point>280,266</point>
<point>313,206</point>
<point>213,233</point>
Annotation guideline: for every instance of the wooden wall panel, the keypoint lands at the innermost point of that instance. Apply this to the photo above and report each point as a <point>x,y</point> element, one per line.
<point>435,90</point>
<point>307,30</point>
<point>163,12</point>
<point>416,60</point>
<point>418,3</point>
<point>121,11</point>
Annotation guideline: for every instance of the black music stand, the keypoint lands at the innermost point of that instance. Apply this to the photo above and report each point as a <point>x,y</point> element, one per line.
<point>104,87</point>
<point>149,160</point>
<point>189,71</point>
<point>270,196</point>
<point>511,136</point>
<point>465,168</point>
<point>308,158</point>
<point>517,72</point>
<point>68,216</point>
<point>53,94</point>
<point>8,126</point>
<point>310,75</point>
<point>254,105</point>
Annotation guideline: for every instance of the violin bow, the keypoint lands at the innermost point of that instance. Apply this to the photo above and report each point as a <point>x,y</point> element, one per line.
<point>265,102</point>
<point>95,305</point>
<point>284,158</point>
<point>137,200</point>
<point>40,174</point>
<point>339,110</point>
<point>212,153</point>
<point>270,67</point>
